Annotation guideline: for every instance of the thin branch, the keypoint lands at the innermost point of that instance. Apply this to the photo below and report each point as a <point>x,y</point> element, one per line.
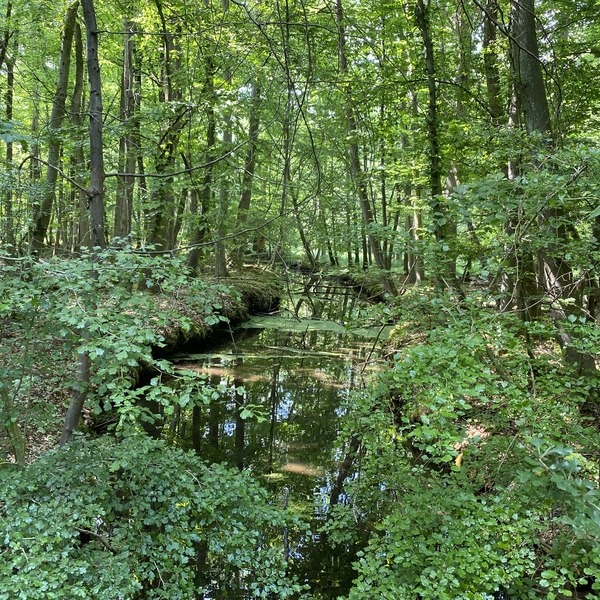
<point>98,537</point>
<point>57,169</point>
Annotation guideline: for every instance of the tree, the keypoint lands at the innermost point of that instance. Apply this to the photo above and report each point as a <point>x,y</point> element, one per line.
<point>95,190</point>
<point>127,143</point>
<point>38,233</point>
<point>353,150</point>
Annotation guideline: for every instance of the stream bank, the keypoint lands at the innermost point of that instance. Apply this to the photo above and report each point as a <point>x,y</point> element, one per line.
<point>253,291</point>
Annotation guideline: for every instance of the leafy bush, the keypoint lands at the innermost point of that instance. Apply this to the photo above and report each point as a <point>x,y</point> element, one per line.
<point>478,472</point>
<point>54,312</point>
<point>137,519</point>
<point>444,543</point>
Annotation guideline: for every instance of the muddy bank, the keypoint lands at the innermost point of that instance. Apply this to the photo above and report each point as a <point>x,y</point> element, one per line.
<point>254,291</point>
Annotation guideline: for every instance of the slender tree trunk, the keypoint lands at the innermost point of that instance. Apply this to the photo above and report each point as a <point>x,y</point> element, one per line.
<point>127,150</point>
<point>95,190</point>
<point>413,263</point>
<point>42,219</point>
<point>223,205</point>
<point>288,126</point>
<point>136,134</point>
<point>9,224</point>
<point>78,195</point>
<point>248,176</point>
<point>438,208</point>
<point>386,219</point>
<point>200,214</point>
<point>355,163</point>
<point>95,194</point>
<point>178,220</point>
<point>8,33</point>
<point>305,243</point>
<point>78,396</point>
<point>35,173</point>
<point>163,203</point>
<point>490,62</point>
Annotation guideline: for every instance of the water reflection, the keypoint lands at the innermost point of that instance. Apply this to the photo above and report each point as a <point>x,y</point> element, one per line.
<point>284,382</point>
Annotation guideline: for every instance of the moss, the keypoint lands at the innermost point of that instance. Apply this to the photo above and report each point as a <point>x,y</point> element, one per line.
<point>260,290</point>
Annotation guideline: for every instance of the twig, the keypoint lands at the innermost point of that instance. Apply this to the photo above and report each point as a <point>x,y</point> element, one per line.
<point>362,370</point>
<point>98,537</point>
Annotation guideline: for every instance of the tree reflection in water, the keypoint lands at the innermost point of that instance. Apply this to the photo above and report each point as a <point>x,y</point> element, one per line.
<point>287,378</point>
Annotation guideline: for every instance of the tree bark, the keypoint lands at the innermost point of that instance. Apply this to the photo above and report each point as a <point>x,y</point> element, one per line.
<point>78,195</point>
<point>527,68</point>
<point>248,176</point>
<point>554,274</point>
<point>9,225</point>
<point>199,212</point>
<point>353,150</point>
<point>160,232</point>
<point>78,397</point>
<point>7,33</point>
<point>490,62</point>
<point>442,225</point>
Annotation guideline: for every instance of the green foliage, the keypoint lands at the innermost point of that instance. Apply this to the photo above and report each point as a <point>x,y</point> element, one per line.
<point>478,476</point>
<point>443,542</point>
<point>101,305</point>
<point>137,519</point>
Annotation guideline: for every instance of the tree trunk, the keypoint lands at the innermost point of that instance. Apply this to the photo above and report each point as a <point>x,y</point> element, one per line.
<point>199,212</point>
<point>42,219</point>
<point>127,148</point>
<point>355,164</point>
<point>95,190</point>
<point>163,205</point>
<point>78,396</point>
<point>223,205</point>
<point>248,176</point>
<point>441,223</point>
<point>78,195</point>
<point>9,225</point>
<point>490,62</point>
<point>4,41</point>
<point>527,68</point>
<point>554,275</point>
<point>305,243</point>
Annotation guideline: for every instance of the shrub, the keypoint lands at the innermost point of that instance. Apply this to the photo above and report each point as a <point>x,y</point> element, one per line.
<point>137,519</point>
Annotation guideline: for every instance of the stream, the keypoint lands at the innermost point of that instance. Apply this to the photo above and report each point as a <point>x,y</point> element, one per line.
<point>284,380</point>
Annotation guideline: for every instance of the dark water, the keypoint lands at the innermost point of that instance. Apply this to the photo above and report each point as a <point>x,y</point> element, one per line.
<point>284,382</point>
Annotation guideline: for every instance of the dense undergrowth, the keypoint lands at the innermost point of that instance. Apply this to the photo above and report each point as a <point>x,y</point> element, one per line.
<point>123,311</point>
<point>478,474</point>
<point>123,515</point>
<point>476,456</point>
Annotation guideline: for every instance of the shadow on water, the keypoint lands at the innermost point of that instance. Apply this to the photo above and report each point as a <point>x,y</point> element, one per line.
<point>284,381</point>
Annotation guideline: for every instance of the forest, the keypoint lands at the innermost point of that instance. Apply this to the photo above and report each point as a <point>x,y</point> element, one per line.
<point>171,169</point>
